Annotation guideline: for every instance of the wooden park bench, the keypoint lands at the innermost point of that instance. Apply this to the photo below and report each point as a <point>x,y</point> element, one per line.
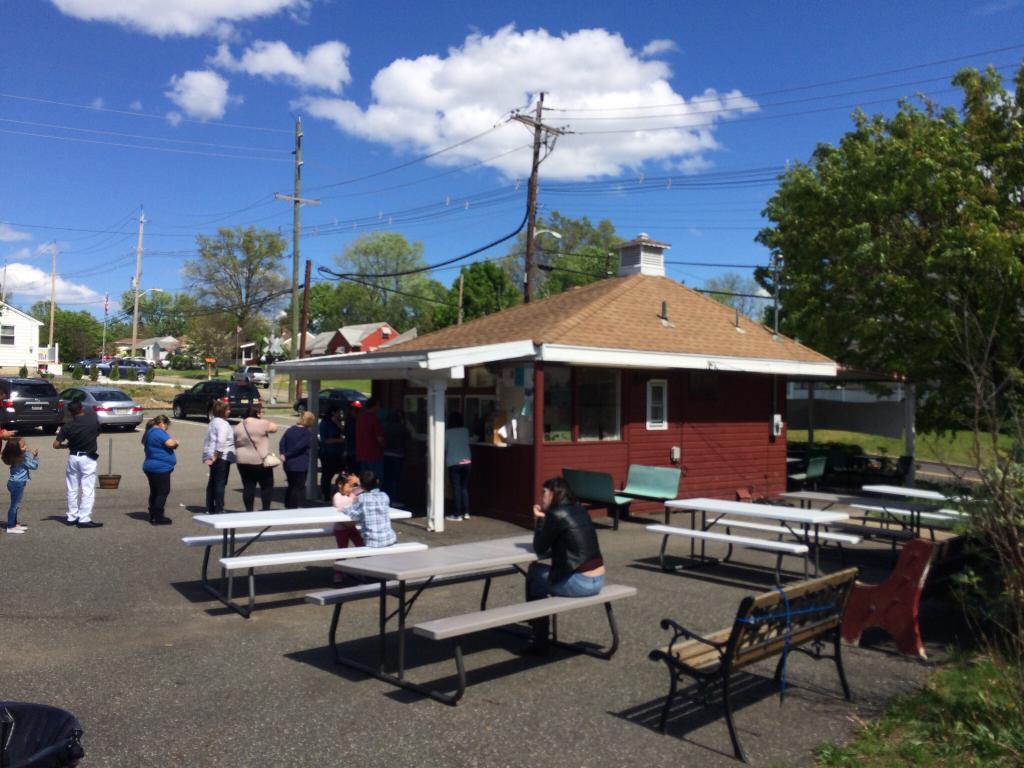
<point>457,627</point>
<point>768,625</point>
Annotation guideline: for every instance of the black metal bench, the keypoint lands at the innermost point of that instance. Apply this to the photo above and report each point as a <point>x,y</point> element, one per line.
<point>771,624</point>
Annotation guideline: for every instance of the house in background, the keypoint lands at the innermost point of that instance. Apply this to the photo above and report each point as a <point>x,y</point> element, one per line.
<point>635,369</point>
<point>155,349</point>
<point>365,337</point>
<point>19,343</point>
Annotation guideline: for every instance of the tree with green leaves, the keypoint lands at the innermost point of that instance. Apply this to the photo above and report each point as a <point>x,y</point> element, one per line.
<point>486,289</point>
<point>161,313</point>
<point>78,334</point>
<point>238,277</point>
<point>739,292</point>
<point>584,254</point>
<point>901,248</point>
<point>385,282</point>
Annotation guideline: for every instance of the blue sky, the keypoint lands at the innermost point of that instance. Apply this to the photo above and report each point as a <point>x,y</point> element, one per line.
<point>186,108</point>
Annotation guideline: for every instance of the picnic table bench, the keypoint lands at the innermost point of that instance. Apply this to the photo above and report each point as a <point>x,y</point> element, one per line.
<point>771,624</point>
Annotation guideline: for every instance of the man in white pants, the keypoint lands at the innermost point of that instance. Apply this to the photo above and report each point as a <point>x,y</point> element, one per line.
<point>79,437</point>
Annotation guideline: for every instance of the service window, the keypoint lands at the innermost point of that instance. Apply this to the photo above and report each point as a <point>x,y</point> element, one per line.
<point>557,404</point>
<point>598,393</point>
<point>657,404</point>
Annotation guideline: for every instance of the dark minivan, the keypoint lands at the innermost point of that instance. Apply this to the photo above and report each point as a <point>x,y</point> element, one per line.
<point>30,403</point>
<point>239,395</point>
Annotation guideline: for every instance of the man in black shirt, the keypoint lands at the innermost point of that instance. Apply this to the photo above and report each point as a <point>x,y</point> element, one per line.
<point>79,437</point>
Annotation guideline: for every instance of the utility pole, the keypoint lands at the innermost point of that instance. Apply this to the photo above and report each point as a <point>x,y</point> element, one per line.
<point>460,297</point>
<point>297,203</point>
<point>53,295</point>
<point>136,283</point>
<point>305,321</point>
<point>541,137</point>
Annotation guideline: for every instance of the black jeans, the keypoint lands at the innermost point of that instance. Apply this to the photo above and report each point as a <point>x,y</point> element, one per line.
<point>253,475</point>
<point>296,493</point>
<point>459,475</point>
<point>219,471</point>
<point>330,465</point>
<point>159,490</point>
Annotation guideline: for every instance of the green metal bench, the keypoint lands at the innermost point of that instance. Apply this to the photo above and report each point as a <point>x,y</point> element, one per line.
<point>597,490</point>
<point>652,483</point>
<point>814,472</point>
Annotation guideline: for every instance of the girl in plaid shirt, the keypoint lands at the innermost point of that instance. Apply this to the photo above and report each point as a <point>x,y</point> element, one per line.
<point>371,510</point>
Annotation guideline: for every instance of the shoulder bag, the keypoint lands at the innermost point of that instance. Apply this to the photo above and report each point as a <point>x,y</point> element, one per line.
<point>270,460</point>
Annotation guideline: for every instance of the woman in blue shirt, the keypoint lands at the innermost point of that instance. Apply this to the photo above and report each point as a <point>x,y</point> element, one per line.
<point>294,452</point>
<point>159,464</point>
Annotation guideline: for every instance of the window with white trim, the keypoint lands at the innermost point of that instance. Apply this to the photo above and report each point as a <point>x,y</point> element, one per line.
<point>7,335</point>
<point>657,404</point>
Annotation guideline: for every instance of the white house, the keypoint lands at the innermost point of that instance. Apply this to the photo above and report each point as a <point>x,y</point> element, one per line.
<point>19,340</point>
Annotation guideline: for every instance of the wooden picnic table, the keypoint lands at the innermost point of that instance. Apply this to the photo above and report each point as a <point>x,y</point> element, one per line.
<point>803,524</point>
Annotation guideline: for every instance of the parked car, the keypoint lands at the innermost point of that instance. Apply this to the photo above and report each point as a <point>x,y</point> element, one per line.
<point>113,408</point>
<point>30,403</point>
<point>334,397</point>
<point>253,374</point>
<point>129,369</point>
<point>199,400</point>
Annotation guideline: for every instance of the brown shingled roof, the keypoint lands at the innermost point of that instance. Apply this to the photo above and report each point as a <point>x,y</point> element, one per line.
<point>623,313</point>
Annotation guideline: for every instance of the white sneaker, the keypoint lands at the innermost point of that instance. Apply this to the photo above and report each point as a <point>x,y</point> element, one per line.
<point>17,529</point>
<point>466,516</point>
<point>453,518</point>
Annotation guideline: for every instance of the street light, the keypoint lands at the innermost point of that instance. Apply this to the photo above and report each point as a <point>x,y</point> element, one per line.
<point>135,315</point>
<point>529,261</point>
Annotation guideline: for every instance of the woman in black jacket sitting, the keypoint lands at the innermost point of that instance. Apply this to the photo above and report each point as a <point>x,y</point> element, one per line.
<point>564,529</point>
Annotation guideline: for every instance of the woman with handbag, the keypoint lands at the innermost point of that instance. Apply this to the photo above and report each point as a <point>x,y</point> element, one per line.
<point>254,459</point>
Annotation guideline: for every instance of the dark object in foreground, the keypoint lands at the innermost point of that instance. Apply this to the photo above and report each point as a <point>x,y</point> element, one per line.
<point>771,624</point>
<point>38,736</point>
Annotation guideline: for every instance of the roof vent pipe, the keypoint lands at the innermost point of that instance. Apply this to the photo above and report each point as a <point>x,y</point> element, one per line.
<point>664,311</point>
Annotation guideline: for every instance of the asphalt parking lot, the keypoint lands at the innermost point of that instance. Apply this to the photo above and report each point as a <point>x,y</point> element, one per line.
<point>111,624</point>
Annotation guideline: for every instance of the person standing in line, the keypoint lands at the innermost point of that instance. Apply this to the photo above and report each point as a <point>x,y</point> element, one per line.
<point>158,466</point>
<point>349,427</point>
<point>251,448</point>
<point>459,461</point>
<point>79,437</point>
<point>294,449</point>
<point>332,450</point>
<point>396,435</point>
<point>218,454</point>
<point>17,456</point>
<point>370,440</point>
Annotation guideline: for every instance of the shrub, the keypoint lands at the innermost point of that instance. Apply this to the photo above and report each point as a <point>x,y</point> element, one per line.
<point>150,374</point>
<point>115,372</point>
<point>94,372</point>
<point>23,371</point>
<point>77,373</point>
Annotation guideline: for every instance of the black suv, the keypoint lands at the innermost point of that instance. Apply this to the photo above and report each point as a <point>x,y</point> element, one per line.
<point>239,395</point>
<point>29,403</point>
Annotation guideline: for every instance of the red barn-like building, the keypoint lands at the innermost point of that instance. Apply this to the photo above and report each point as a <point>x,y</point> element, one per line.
<point>636,369</point>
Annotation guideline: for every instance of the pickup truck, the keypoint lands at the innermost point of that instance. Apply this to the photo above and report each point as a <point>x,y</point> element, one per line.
<point>253,374</point>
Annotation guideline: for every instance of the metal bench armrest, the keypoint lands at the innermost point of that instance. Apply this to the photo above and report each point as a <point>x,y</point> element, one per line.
<point>681,632</point>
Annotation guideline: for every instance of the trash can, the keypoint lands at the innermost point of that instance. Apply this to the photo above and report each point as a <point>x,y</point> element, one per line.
<point>38,736</point>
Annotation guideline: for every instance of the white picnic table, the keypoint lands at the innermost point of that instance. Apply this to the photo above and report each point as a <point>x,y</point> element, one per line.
<point>393,572</point>
<point>899,503</point>
<point>804,524</point>
<point>828,500</point>
<point>230,523</point>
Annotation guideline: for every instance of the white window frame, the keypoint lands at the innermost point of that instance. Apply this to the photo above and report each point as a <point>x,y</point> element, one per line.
<point>663,424</point>
<point>8,335</point>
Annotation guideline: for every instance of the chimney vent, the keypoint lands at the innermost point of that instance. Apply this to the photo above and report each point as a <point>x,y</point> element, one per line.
<point>664,310</point>
<point>642,256</point>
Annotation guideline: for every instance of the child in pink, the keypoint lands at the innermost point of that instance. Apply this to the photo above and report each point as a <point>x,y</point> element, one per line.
<point>347,490</point>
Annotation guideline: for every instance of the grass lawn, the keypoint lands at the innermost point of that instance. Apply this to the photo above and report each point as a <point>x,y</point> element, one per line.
<point>969,714</point>
<point>955,448</point>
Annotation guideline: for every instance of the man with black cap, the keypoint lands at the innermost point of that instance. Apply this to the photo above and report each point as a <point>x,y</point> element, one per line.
<point>79,437</point>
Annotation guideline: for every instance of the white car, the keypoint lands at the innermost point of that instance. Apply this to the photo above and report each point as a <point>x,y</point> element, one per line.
<point>253,374</point>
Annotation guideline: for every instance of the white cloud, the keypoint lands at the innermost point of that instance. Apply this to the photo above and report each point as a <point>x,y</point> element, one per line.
<point>434,101</point>
<point>200,94</point>
<point>10,235</point>
<point>178,17</point>
<point>97,102</point>
<point>27,284</point>
<point>135,106</point>
<point>324,66</point>
<point>656,47</point>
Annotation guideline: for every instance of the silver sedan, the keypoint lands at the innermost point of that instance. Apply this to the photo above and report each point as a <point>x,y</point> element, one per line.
<point>113,408</point>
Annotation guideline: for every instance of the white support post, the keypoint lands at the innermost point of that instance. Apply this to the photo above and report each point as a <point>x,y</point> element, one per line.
<point>909,433</point>
<point>810,417</point>
<point>313,406</point>
<point>436,390</point>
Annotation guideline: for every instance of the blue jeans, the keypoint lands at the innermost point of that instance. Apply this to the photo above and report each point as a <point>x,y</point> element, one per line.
<point>17,490</point>
<point>459,475</point>
<point>576,585</point>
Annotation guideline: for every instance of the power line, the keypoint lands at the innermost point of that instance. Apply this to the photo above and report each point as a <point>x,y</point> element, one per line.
<point>395,291</point>
<point>812,86</point>
<point>132,113</point>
